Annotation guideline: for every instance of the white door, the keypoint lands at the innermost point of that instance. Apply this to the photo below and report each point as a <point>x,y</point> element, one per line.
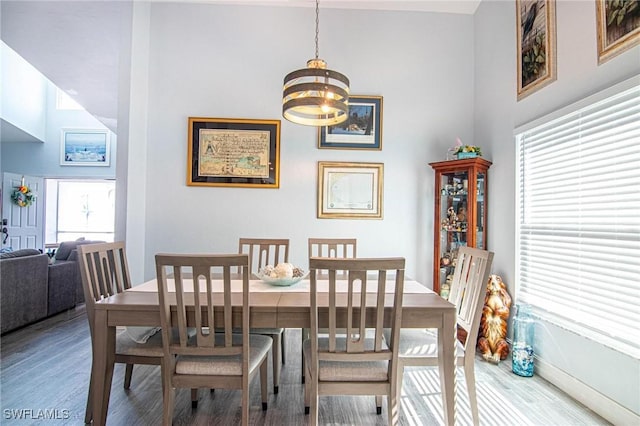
<point>24,225</point>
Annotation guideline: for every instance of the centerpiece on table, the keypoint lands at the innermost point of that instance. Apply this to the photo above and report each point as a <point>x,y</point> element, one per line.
<point>283,274</point>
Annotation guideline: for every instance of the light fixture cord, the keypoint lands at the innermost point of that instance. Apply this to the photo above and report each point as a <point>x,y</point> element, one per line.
<point>317,25</point>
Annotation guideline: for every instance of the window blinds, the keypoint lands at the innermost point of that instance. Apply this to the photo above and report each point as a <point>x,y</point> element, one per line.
<point>578,248</point>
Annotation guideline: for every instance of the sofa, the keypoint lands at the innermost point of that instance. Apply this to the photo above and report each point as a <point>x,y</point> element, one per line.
<point>32,287</point>
<point>23,288</point>
<point>65,267</point>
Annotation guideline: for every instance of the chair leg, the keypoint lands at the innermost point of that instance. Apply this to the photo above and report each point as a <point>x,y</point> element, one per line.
<point>263,384</point>
<point>282,346</point>
<point>378,404</point>
<point>276,354</point>
<point>307,395</point>
<point>128,372</point>
<point>469,377</point>
<point>167,405</point>
<point>88,414</point>
<point>194,398</point>
<point>305,335</point>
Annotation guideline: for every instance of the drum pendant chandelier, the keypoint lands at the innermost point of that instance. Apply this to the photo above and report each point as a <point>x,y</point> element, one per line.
<point>315,96</point>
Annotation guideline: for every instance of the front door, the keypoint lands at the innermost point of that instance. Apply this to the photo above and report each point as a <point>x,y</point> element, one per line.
<point>24,225</point>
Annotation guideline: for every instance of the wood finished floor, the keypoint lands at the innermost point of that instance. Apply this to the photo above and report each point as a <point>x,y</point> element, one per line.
<point>45,368</point>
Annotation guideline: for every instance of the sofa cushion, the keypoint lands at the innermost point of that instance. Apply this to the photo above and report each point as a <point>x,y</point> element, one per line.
<point>19,253</point>
<point>66,248</point>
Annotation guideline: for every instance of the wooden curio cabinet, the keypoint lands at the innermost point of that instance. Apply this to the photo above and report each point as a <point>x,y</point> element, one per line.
<point>460,217</point>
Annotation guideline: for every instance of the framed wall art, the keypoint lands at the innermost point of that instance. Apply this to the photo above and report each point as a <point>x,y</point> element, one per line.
<point>362,130</point>
<point>85,147</point>
<point>350,190</point>
<point>536,44</point>
<point>618,27</point>
<point>233,152</point>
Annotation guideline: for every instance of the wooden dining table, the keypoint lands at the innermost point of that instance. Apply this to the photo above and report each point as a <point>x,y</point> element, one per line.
<point>271,306</point>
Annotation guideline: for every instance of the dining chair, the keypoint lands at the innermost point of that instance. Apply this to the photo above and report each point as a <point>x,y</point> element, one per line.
<point>419,348</point>
<point>104,272</point>
<point>263,252</point>
<point>224,360</point>
<point>362,361</point>
<point>328,247</point>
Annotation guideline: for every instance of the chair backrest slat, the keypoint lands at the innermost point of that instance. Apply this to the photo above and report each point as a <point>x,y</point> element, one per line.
<point>195,278</point>
<point>357,305</point>
<point>333,247</point>
<point>264,251</point>
<point>104,272</point>
<point>468,288</point>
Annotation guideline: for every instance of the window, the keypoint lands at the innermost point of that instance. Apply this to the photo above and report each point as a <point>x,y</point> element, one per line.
<point>578,237</point>
<point>80,208</point>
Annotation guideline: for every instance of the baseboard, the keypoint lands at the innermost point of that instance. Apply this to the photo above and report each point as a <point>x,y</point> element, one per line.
<point>604,406</point>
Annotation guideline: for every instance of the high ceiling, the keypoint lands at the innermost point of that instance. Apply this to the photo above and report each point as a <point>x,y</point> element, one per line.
<point>76,44</point>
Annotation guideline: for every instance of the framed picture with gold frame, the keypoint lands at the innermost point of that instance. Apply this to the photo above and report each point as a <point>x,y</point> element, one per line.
<point>536,45</point>
<point>618,27</point>
<point>350,190</point>
<point>233,152</point>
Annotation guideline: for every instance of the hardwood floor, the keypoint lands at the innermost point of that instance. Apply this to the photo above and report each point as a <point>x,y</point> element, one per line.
<point>44,372</point>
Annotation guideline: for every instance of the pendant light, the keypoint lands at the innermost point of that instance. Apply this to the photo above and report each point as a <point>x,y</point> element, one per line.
<point>315,96</point>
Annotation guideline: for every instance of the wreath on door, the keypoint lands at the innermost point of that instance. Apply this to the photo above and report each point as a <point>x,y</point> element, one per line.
<point>23,196</point>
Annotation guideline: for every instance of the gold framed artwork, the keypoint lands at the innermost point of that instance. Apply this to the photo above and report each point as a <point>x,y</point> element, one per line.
<point>618,27</point>
<point>233,152</point>
<point>350,190</point>
<point>536,44</point>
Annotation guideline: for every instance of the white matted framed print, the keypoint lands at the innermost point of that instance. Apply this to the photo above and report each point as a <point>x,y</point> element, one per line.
<point>85,147</point>
<point>361,130</point>
<point>350,190</point>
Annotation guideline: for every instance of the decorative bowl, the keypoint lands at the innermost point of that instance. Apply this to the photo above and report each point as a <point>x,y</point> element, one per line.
<point>283,282</point>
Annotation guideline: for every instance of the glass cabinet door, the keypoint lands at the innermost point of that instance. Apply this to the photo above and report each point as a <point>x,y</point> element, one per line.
<point>460,214</point>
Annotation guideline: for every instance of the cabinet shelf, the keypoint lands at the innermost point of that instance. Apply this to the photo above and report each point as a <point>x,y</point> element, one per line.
<point>460,204</point>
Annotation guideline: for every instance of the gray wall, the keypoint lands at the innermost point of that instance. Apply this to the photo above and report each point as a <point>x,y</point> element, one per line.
<point>496,115</point>
<point>225,61</point>
<point>43,159</point>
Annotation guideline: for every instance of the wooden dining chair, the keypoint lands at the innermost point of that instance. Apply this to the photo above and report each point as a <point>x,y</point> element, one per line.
<point>221,360</point>
<point>263,252</point>
<point>362,362</point>
<point>420,347</point>
<point>328,247</point>
<point>104,272</point>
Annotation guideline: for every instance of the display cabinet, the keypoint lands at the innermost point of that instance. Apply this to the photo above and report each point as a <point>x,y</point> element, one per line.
<point>460,216</point>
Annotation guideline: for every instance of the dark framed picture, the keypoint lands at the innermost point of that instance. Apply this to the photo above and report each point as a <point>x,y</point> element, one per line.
<point>85,147</point>
<point>350,190</point>
<point>233,152</point>
<point>536,48</point>
<point>362,130</point>
<point>618,27</point>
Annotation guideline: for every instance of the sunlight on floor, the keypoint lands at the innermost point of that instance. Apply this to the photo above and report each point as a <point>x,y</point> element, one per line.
<point>492,401</point>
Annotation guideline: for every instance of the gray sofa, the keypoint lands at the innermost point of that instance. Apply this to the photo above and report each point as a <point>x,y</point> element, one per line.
<point>23,288</point>
<point>65,267</point>
<point>32,288</point>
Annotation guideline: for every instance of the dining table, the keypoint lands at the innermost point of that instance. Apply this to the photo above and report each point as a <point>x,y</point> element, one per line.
<point>270,306</point>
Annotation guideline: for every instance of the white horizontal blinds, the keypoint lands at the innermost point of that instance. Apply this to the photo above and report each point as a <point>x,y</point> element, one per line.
<point>579,220</point>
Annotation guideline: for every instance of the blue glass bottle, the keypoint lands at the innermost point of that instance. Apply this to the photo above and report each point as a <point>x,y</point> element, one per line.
<point>522,344</point>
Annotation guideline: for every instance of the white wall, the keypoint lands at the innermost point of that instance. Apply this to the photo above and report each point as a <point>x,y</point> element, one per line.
<point>43,159</point>
<point>230,61</point>
<point>497,114</point>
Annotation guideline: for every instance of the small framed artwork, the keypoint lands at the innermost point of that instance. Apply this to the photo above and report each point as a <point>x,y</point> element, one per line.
<point>536,48</point>
<point>361,130</point>
<point>618,27</point>
<point>350,190</point>
<point>85,147</point>
<point>233,152</point>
